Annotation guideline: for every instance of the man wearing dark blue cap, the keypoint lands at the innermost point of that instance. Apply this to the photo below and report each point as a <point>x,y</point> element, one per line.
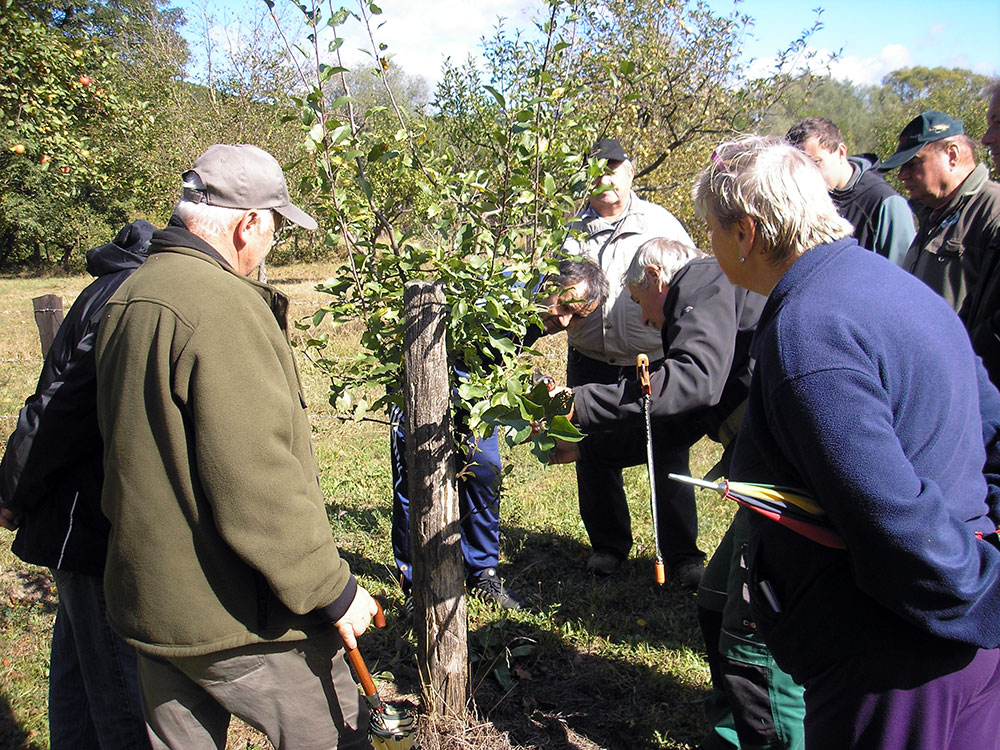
<point>958,207</point>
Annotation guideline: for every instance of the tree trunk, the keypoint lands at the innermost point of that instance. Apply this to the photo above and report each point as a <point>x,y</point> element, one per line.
<point>435,534</point>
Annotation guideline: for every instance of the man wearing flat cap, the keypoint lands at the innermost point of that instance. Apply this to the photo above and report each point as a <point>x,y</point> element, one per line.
<point>956,204</point>
<point>603,349</point>
<point>221,569</point>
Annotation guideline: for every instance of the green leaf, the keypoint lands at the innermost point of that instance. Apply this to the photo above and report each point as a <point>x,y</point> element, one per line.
<point>338,134</point>
<point>521,431</point>
<point>498,96</point>
<point>563,429</point>
<point>361,409</point>
<point>503,677</point>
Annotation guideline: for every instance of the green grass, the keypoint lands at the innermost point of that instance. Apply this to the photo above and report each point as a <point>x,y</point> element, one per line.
<point>614,664</point>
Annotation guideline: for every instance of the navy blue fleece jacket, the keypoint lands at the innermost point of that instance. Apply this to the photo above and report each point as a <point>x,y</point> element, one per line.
<point>867,395</point>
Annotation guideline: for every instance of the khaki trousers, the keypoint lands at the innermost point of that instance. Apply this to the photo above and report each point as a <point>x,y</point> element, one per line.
<point>300,694</point>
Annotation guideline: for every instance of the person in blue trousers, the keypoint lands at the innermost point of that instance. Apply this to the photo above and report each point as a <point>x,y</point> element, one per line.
<point>581,287</point>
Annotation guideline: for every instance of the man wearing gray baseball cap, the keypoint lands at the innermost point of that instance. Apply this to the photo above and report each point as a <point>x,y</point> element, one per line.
<point>222,570</point>
<point>957,205</point>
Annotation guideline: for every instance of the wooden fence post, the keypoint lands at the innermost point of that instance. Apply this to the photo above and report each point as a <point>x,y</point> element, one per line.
<point>48,318</point>
<point>440,615</point>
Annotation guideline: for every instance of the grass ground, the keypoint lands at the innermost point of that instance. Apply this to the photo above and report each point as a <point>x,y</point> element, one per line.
<point>591,664</point>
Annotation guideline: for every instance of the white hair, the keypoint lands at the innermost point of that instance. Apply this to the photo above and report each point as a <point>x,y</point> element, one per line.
<point>201,218</point>
<point>767,179</point>
<point>669,256</point>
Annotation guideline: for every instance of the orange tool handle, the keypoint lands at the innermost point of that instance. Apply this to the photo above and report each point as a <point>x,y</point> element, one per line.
<point>642,372</point>
<point>360,668</point>
<point>661,574</point>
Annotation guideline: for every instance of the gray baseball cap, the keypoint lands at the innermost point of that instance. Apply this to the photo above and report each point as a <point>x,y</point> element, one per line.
<point>243,177</point>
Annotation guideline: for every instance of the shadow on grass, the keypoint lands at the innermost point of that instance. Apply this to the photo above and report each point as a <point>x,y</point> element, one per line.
<point>611,663</point>
<point>29,586</point>
<point>12,735</point>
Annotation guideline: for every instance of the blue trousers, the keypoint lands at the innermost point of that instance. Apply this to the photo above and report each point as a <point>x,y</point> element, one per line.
<point>603,505</point>
<point>478,497</point>
<point>94,698</point>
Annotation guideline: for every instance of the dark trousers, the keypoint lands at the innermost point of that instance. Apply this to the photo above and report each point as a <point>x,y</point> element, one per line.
<point>753,704</point>
<point>603,455</point>
<point>478,497</point>
<point>941,698</point>
<point>94,697</point>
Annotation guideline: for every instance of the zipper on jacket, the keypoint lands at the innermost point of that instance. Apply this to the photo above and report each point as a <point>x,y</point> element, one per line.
<point>69,531</point>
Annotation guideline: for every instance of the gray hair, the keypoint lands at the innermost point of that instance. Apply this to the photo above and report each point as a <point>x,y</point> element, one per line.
<point>770,181</point>
<point>577,270</point>
<point>669,256</point>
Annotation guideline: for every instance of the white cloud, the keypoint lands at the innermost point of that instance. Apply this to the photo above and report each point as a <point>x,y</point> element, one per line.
<point>420,34</point>
<point>871,70</point>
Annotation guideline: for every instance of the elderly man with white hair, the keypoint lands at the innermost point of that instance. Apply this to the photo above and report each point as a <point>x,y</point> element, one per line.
<point>222,570</point>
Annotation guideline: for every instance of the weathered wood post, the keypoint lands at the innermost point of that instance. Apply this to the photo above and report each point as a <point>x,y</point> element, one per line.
<point>48,317</point>
<point>435,541</point>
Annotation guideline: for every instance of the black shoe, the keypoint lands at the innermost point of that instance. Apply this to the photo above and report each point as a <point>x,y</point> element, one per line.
<point>486,584</point>
<point>406,611</point>
<point>603,564</point>
<point>687,575</point>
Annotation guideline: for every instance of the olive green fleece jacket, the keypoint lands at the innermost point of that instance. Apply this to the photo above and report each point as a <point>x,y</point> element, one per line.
<point>220,536</point>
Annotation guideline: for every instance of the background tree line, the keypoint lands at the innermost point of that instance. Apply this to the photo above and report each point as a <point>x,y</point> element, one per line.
<point>103,107</point>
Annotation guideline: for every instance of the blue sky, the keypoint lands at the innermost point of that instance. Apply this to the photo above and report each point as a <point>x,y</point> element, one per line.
<point>873,37</point>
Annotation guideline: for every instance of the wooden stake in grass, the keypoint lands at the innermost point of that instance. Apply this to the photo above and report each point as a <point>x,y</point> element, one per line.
<point>48,317</point>
<point>440,616</point>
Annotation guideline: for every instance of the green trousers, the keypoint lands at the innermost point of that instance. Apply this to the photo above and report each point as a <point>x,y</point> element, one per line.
<point>753,705</point>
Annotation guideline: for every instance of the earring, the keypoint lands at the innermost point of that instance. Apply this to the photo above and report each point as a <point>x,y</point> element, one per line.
<point>742,259</point>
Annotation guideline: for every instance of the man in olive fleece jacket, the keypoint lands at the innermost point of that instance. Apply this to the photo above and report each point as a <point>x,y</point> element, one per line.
<point>222,570</point>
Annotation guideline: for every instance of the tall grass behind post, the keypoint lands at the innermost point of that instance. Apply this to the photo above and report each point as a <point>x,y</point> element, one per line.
<point>590,664</point>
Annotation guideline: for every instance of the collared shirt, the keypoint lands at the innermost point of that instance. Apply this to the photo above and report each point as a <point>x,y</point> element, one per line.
<point>615,333</point>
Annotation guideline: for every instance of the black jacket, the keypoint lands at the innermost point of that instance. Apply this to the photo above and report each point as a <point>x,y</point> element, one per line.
<point>981,313</point>
<point>51,472</point>
<point>861,202</point>
<point>706,374</point>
